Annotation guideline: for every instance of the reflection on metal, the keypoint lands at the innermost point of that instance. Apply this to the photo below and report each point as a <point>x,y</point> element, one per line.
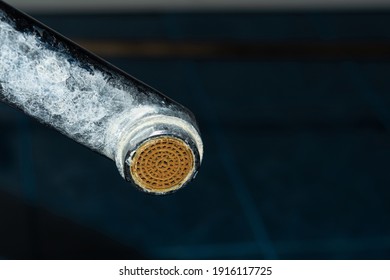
<point>62,85</point>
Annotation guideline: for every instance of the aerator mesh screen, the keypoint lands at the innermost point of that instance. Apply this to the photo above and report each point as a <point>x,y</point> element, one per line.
<point>163,163</point>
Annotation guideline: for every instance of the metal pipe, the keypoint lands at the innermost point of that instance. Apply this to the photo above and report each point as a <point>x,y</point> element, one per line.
<point>154,141</point>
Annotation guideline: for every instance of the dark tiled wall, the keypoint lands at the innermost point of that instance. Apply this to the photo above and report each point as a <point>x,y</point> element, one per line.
<point>296,161</point>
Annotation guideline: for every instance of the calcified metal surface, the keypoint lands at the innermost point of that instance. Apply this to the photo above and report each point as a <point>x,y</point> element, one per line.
<point>85,98</point>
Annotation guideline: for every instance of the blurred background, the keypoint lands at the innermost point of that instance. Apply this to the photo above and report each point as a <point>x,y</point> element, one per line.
<point>293,101</point>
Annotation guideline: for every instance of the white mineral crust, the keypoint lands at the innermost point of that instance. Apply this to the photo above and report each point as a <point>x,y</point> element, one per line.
<point>84,103</point>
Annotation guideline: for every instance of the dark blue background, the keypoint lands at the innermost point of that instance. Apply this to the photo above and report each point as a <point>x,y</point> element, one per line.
<point>297,147</point>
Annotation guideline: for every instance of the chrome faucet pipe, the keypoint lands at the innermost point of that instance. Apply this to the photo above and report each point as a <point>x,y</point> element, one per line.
<point>154,141</point>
